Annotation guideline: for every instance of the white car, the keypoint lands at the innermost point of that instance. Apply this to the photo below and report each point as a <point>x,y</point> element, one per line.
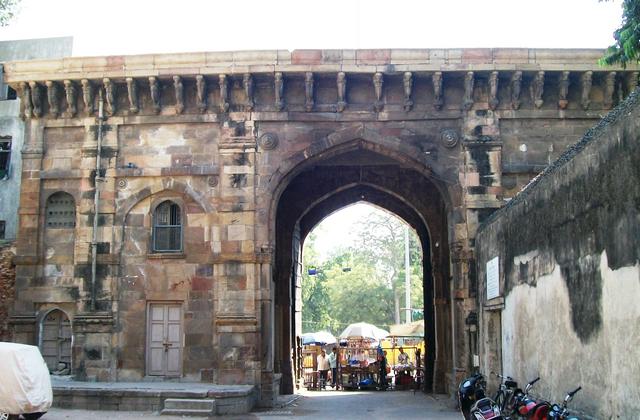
<point>25,385</point>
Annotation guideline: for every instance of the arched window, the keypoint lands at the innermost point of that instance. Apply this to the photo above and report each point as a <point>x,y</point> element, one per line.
<point>61,211</point>
<point>167,227</point>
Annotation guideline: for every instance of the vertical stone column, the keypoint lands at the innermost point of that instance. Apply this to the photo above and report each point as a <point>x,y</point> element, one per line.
<point>28,253</point>
<point>236,268</point>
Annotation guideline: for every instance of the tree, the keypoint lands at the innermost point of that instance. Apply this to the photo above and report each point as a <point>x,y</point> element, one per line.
<point>8,9</point>
<point>627,37</point>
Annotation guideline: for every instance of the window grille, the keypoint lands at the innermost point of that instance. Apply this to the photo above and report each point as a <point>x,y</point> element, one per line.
<point>5,156</point>
<point>61,211</point>
<point>167,228</point>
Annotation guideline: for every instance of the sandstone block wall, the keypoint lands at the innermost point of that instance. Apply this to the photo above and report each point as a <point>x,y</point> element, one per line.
<point>569,255</point>
<point>7,288</point>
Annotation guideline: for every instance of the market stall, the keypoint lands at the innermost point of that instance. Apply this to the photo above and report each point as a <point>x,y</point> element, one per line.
<point>313,343</point>
<point>405,344</point>
<point>359,359</point>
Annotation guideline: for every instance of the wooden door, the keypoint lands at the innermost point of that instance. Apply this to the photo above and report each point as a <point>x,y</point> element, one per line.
<point>164,339</point>
<point>55,344</point>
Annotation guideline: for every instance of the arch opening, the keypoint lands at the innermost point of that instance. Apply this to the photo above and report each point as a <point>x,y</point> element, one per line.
<point>328,184</point>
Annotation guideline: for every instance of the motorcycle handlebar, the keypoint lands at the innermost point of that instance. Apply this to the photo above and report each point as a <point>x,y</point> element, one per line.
<point>572,393</point>
<point>534,381</point>
<point>501,376</point>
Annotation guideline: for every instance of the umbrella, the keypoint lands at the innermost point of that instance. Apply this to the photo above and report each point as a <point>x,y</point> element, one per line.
<point>320,337</point>
<point>364,330</point>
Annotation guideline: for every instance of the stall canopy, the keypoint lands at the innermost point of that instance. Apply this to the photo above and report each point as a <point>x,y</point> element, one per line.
<point>364,330</point>
<point>320,338</point>
<point>412,329</point>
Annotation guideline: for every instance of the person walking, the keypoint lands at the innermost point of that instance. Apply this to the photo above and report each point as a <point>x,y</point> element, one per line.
<point>333,365</point>
<point>323,368</point>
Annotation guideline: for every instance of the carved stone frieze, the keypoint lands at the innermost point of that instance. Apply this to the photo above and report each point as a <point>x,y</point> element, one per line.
<point>537,89</point>
<point>132,92</point>
<point>87,96</point>
<point>278,81</point>
<point>515,87</point>
<point>25,96</point>
<point>247,84</point>
<point>201,93</point>
<point>563,90</point>
<point>586,81</point>
<point>609,89</point>
<point>378,81</point>
<point>449,138</point>
<point>110,95</point>
<point>493,91</point>
<point>436,80</point>
<point>224,92</point>
<point>154,93</point>
<point>268,141</point>
<point>407,85</point>
<point>308,92</point>
<point>70,95</point>
<point>467,100</point>
<point>36,99</point>
<point>52,98</point>
<point>341,82</point>
<point>179,92</point>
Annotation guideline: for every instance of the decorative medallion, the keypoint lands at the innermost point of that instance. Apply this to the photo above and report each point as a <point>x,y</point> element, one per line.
<point>213,180</point>
<point>268,141</point>
<point>449,137</point>
<point>122,183</point>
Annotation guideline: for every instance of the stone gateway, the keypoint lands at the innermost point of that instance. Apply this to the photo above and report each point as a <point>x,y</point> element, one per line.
<point>165,198</point>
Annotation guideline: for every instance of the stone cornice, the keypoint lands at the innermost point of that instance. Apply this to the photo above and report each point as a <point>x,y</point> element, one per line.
<point>300,61</point>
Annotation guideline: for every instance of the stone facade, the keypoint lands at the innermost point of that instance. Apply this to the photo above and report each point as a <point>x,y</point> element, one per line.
<point>250,150</point>
<point>568,269</point>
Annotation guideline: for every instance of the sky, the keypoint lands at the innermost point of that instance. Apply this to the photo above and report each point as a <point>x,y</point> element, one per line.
<point>116,27</point>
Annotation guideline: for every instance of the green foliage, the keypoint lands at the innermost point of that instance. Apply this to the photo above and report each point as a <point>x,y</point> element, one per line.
<point>627,37</point>
<point>373,289</point>
<point>8,9</point>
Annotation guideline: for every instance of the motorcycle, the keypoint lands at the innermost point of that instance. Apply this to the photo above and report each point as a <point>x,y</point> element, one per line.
<point>473,402</point>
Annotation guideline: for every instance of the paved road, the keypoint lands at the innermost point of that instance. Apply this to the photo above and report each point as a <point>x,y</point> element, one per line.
<point>314,405</point>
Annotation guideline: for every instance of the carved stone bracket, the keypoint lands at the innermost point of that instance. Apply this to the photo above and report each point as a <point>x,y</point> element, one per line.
<point>201,93</point>
<point>609,88</point>
<point>36,99</point>
<point>537,89</point>
<point>467,100</point>
<point>268,141</point>
<point>515,86</point>
<point>247,84</point>
<point>563,90</point>
<point>132,92</point>
<point>109,89</point>
<point>341,82</point>
<point>278,81</point>
<point>586,81</point>
<point>378,81</point>
<point>154,93</point>
<point>52,98</point>
<point>407,84</point>
<point>87,96</point>
<point>224,92</point>
<point>493,91</point>
<point>436,80</point>
<point>25,93</point>
<point>70,94</point>
<point>179,92</point>
<point>308,92</point>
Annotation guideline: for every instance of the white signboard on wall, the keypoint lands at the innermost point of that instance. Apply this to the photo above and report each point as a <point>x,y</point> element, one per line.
<point>493,278</point>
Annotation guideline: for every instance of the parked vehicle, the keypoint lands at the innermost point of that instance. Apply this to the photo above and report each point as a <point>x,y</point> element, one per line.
<point>529,408</point>
<point>473,402</point>
<point>25,387</point>
<point>561,412</point>
<point>506,395</point>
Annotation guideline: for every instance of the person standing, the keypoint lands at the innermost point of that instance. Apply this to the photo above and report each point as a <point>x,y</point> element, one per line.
<point>323,368</point>
<point>333,365</point>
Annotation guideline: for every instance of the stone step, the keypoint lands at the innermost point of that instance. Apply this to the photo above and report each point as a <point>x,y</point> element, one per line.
<point>186,412</point>
<point>189,407</point>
